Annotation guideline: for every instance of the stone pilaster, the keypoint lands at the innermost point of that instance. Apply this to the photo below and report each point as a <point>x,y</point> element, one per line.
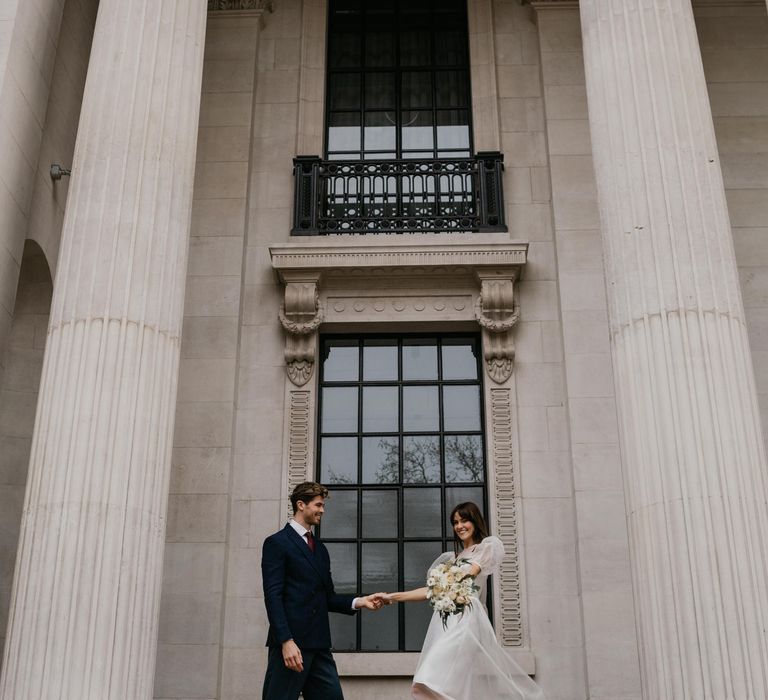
<point>84,608</point>
<point>694,465</point>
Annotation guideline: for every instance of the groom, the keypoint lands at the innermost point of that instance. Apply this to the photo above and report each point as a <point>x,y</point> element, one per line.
<point>298,594</point>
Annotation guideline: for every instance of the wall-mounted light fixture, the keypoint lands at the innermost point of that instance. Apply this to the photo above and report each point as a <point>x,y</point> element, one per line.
<point>57,172</point>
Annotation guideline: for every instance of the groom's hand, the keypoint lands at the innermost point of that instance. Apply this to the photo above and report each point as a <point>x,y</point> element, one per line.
<point>371,602</point>
<point>292,656</point>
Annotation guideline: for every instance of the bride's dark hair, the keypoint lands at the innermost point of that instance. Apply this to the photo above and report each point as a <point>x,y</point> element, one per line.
<point>469,511</point>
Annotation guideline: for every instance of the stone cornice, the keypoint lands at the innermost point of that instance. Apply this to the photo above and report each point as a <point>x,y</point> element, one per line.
<point>292,259</point>
<point>553,4</point>
<point>238,5</point>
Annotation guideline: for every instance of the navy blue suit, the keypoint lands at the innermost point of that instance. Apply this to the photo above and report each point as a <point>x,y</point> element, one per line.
<point>299,594</point>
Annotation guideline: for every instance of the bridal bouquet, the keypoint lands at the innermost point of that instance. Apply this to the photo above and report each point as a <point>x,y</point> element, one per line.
<point>450,590</point>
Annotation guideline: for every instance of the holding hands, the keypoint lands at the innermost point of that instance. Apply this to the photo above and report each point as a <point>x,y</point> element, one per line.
<point>374,601</point>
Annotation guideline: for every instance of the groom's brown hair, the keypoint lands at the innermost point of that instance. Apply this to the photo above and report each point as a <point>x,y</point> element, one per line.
<point>306,491</point>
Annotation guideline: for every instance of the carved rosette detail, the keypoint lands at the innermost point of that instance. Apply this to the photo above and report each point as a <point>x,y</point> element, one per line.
<point>506,515</point>
<point>498,311</point>
<point>300,316</point>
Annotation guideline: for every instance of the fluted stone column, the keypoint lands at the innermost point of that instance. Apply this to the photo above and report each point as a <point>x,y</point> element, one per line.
<point>695,468</point>
<point>84,608</point>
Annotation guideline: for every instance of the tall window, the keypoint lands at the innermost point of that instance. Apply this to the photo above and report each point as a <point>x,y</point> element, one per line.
<point>400,443</point>
<point>398,80</point>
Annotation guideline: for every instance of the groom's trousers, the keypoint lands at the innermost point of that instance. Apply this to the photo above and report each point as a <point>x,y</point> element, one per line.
<point>318,681</point>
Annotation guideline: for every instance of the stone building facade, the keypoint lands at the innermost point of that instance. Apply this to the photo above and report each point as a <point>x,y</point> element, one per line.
<point>536,275</point>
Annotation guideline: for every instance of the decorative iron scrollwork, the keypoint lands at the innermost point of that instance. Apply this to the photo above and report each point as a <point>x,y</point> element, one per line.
<point>398,196</point>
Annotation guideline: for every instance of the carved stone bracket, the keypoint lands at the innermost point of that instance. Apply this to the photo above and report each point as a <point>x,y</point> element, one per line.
<point>497,311</point>
<point>301,315</point>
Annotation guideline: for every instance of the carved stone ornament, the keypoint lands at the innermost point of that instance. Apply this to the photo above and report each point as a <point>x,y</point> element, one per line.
<point>220,5</point>
<point>301,315</point>
<point>497,311</point>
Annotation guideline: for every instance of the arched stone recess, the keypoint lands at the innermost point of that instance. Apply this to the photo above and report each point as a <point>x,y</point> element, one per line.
<point>18,402</point>
<point>445,284</point>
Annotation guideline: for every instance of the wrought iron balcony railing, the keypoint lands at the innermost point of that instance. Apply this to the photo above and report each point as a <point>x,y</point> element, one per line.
<point>398,196</point>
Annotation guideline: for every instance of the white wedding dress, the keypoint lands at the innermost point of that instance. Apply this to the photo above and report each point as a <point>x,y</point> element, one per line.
<point>465,661</point>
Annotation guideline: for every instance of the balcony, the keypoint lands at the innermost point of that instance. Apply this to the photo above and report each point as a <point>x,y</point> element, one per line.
<point>398,196</point>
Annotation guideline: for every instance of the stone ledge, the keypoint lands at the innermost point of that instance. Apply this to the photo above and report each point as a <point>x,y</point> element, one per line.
<point>367,255</point>
<point>403,664</point>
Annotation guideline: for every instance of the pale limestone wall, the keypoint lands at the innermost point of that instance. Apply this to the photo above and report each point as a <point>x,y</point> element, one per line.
<point>25,344</point>
<point>18,399</point>
<point>28,40</point>
<point>258,504</point>
<point>61,122</point>
<point>194,580</point>
<point>604,576</point>
<point>549,506</point>
<point>734,48</point>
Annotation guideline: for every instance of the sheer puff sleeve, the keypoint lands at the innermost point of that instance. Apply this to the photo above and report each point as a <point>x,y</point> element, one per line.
<point>488,555</point>
<point>442,559</point>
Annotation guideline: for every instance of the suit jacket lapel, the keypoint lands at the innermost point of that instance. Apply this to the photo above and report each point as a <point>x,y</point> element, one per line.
<point>299,542</point>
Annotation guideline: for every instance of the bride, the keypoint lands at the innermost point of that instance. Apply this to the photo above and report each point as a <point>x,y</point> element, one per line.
<point>463,660</point>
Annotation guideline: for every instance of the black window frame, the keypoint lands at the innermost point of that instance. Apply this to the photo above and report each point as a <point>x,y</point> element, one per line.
<point>446,537</point>
<point>433,68</point>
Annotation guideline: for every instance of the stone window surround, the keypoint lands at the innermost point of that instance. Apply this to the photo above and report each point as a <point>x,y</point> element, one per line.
<point>320,256</point>
<point>447,282</point>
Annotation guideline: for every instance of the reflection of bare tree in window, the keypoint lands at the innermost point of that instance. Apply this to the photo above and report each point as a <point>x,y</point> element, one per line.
<point>463,458</point>
<point>421,460</point>
<point>336,478</point>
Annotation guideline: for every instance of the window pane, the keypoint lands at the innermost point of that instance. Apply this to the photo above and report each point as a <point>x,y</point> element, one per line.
<point>421,513</point>
<point>459,361</point>
<point>340,517</point>
<point>379,573</point>
<point>379,131</point>
<point>416,90</point>
<point>379,361</point>
<point>379,514</point>
<point>420,359</point>
<point>380,91</point>
<point>379,48</point>
<point>420,408</point>
<point>344,566</point>
<point>417,558</point>
<point>418,131</point>
<point>343,632</point>
<point>344,48</point>
<point>451,47</point>
<point>344,91</point>
<point>341,361</point>
<point>463,494</point>
<point>464,458</point>
<point>461,407</point>
<point>339,410</point>
<point>421,459</point>
<point>380,412</point>
<point>415,44</point>
<point>381,460</point>
<point>344,131</point>
<point>452,89</point>
<point>379,632</point>
<point>452,129</point>
<point>338,460</point>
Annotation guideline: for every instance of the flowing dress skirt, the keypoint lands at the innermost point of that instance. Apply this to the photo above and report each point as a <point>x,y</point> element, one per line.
<point>466,662</point>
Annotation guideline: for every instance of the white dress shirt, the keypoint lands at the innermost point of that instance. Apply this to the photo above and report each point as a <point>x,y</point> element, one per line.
<point>303,532</point>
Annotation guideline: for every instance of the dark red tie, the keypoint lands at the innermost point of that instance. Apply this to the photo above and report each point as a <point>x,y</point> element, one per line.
<point>311,541</point>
